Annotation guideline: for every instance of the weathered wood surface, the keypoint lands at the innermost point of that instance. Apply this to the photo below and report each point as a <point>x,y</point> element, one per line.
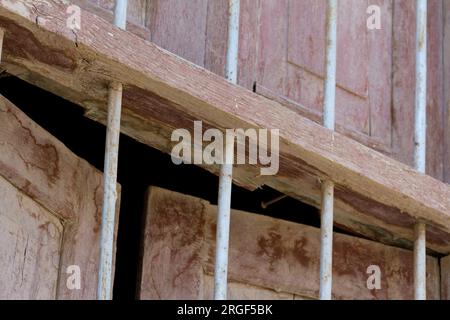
<point>281,51</point>
<point>243,291</point>
<point>446,53</point>
<point>269,258</point>
<point>404,85</point>
<point>445,278</point>
<point>69,189</point>
<point>376,196</point>
<point>30,244</point>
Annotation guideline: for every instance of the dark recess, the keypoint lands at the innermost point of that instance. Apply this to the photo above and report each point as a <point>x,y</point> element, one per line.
<point>139,167</point>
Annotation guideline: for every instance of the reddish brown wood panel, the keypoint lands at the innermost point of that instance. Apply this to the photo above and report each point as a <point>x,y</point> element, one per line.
<point>136,9</point>
<point>279,256</point>
<point>30,246</point>
<point>445,278</point>
<point>67,188</point>
<point>281,49</point>
<point>446,40</point>
<point>404,85</point>
<point>180,27</point>
<point>378,197</point>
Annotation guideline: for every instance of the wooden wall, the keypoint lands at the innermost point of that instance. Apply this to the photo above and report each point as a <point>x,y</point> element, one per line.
<point>269,258</point>
<point>281,56</point>
<point>50,213</point>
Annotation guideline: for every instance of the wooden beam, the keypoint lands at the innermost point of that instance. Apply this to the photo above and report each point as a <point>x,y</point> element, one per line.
<point>375,196</point>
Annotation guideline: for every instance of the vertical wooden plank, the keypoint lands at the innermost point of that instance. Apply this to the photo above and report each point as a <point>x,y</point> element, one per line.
<point>380,74</point>
<point>180,27</point>
<point>403,81</point>
<point>307,41</point>
<point>249,39</point>
<point>272,46</point>
<point>404,87</point>
<point>172,247</point>
<point>446,67</point>
<point>445,278</point>
<point>216,35</point>
<point>435,94</point>
<point>306,56</point>
<point>30,244</point>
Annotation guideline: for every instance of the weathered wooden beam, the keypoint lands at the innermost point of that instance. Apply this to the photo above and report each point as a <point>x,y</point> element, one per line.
<point>375,196</point>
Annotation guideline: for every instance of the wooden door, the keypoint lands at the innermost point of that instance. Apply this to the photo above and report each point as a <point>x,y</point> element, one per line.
<point>50,213</point>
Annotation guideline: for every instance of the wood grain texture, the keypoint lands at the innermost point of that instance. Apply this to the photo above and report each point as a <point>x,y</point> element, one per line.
<point>282,48</point>
<point>446,53</point>
<point>376,196</point>
<point>445,278</point>
<point>30,247</point>
<point>269,258</point>
<point>180,27</point>
<point>243,291</point>
<point>46,171</point>
<point>404,85</point>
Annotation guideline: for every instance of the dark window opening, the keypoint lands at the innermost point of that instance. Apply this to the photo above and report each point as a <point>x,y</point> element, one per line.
<point>140,166</point>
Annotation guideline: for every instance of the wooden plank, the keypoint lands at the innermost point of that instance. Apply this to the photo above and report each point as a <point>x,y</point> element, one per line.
<point>30,243</point>
<point>180,27</point>
<point>243,291</point>
<point>404,85</point>
<point>136,20</point>
<point>172,247</point>
<point>249,38</point>
<point>376,196</point>
<point>446,53</point>
<point>273,45</point>
<point>380,82</point>
<point>274,258</point>
<point>216,33</point>
<point>445,278</point>
<point>363,98</point>
<point>45,170</point>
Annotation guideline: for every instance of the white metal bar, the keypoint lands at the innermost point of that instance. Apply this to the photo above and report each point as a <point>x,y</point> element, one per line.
<point>330,66</point>
<point>104,288</point>
<point>226,170</point>
<point>233,41</point>
<point>420,128</point>
<point>120,14</point>
<point>2,35</point>
<point>326,240</point>
<point>421,86</point>
<point>223,222</point>
<point>420,258</point>
<point>326,216</point>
